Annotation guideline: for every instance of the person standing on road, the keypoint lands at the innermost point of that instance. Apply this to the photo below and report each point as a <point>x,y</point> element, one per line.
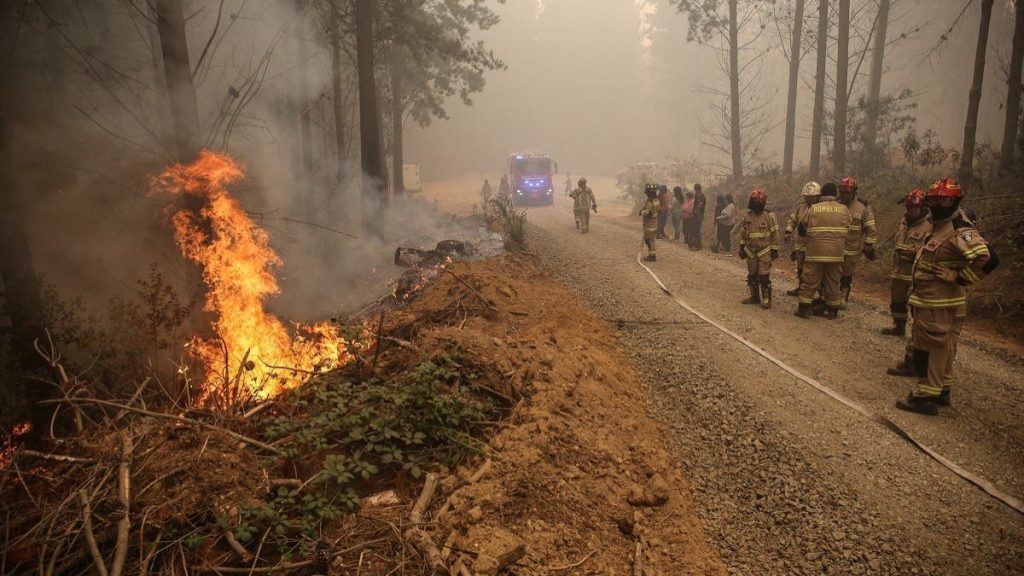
<point>724,224</point>
<point>583,202</point>
<point>697,221</point>
<point>503,190</point>
<point>649,213</point>
<point>823,229</point>
<point>759,246</point>
<point>677,213</point>
<point>485,192</point>
<point>663,212</point>
<point>910,234</point>
<point>719,206</point>
<point>688,217</point>
<point>861,237</point>
<point>953,257</point>
<point>810,193</point>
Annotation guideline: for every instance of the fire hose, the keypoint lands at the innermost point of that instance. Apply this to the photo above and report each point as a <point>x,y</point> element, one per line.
<point>983,483</point>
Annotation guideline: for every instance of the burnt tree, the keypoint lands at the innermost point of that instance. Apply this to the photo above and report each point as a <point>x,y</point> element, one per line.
<point>974,99</point>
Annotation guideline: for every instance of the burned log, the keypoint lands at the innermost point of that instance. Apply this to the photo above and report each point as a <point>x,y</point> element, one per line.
<point>444,250</point>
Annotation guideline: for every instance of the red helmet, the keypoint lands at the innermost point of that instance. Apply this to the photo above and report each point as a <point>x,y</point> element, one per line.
<point>848,184</point>
<point>945,188</point>
<point>758,195</point>
<point>914,198</point>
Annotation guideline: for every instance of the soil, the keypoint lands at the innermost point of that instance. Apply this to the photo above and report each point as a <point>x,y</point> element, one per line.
<point>785,480</point>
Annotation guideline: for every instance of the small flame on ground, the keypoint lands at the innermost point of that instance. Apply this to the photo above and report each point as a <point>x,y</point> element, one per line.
<point>253,346</point>
<point>10,446</point>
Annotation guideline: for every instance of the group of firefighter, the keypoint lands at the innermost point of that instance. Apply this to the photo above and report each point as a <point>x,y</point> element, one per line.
<point>937,254</point>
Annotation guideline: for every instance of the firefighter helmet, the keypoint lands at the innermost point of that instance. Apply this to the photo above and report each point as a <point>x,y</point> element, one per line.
<point>651,189</point>
<point>848,183</point>
<point>913,198</point>
<point>758,195</point>
<point>582,182</point>
<point>945,188</point>
<point>811,189</point>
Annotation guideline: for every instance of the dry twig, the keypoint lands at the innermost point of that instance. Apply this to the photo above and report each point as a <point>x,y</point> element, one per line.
<point>90,536</point>
<point>123,496</point>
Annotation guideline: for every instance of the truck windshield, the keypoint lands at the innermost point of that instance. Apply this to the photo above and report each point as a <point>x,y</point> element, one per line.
<point>534,166</point>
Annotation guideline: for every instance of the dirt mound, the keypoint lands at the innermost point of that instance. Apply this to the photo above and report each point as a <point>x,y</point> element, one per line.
<point>580,476</point>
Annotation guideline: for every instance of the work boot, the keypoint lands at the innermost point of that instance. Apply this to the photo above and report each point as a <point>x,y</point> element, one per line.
<point>818,307</point>
<point>766,293</point>
<point>754,290</point>
<point>803,311</point>
<point>904,368</point>
<point>793,292</point>
<point>650,258</point>
<point>898,329</point>
<point>943,399</point>
<point>926,405</point>
<point>577,224</point>
<point>831,313</point>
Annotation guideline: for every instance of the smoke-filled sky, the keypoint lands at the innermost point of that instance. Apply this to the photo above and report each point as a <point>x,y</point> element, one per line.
<point>600,84</point>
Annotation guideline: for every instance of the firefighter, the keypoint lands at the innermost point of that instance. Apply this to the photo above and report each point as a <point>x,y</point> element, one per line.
<point>485,192</point>
<point>504,192</point>
<point>953,257</point>
<point>759,246</point>
<point>910,234</point>
<point>649,212</point>
<point>583,202</point>
<point>823,228</point>
<point>810,193</point>
<point>861,236</point>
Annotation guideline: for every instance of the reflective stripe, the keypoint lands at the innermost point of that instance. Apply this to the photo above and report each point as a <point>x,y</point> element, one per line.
<point>907,247</point>
<point>921,302</point>
<point>924,389</point>
<point>976,251</point>
<point>758,234</point>
<point>868,223</point>
<point>834,303</point>
<point>764,251</point>
<point>970,276</point>
<point>898,276</point>
<point>851,252</point>
<point>834,259</point>
<point>814,229</point>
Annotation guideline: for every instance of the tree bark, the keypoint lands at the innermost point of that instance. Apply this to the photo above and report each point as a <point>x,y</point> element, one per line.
<point>397,112</point>
<point>819,90</point>
<point>178,75</point>
<point>734,90</point>
<point>305,130</point>
<point>842,96</point>
<point>794,77</point>
<point>1013,92</point>
<point>369,120</point>
<point>338,96</point>
<point>875,81</point>
<point>974,99</point>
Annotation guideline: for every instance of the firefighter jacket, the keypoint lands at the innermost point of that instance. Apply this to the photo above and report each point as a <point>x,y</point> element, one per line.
<point>826,225</point>
<point>583,199</point>
<point>650,214</point>
<point>862,227</point>
<point>759,233</point>
<point>953,257</point>
<point>791,224</point>
<point>909,239</point>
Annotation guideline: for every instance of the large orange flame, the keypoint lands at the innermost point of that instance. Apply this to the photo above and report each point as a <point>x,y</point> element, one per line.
<point>253,349</point>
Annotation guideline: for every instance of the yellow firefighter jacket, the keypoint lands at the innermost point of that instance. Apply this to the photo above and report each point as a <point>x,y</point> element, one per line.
<point>862,227</point>
<point>650,214</point>
<point>583,199</point>
<point>909,239</point>
<point>953,257</point>
<point>794,219</point>
<point>827,224</point>
<point>759,233</point>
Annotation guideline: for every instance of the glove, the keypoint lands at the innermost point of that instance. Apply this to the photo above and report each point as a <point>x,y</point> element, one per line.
<point>792,256</point>
<point>947,274</point>
<point>742,253</point>
<point>869,252</point>
<point>595,209</point>
<point>774,254</point>
<point>801,229</point>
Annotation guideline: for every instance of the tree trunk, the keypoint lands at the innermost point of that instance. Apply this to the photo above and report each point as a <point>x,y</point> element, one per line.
<point>338,96</point>
<point>1013,92</point>
<point>819,90</point>
<point>875,81</point>
<point>178,75</point>
<point>302,95</point>
<point>397,109</point>
<point>974,100</point>
<point>369,120</point>
<point>794,77</point>
<point>842,95</point>
<point>734,91</point>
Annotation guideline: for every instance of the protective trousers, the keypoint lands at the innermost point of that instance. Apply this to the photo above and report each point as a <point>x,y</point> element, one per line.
<point>850,262</point>
<point>899,293</point>
<point>649,241</point>
<point>934,338</point>
<point>583,217</point>
<point>824,275</point>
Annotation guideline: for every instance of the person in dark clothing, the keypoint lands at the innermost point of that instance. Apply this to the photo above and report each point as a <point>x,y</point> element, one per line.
<point>719,206</point>
<point>697,220</point>
<point>663,211</point>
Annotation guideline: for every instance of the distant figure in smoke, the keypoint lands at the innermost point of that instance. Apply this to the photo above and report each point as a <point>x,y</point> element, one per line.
<point>687,217</point>
<point>583,202</point>
<point>663,211</point>
<point>650,212</point>
<point>697,222</point>
<point>719,206</point>
<point>677,212</point>
<point>568,183</point>
<point>503,190</point>
<point>725,222</point>
<point>485,192</point>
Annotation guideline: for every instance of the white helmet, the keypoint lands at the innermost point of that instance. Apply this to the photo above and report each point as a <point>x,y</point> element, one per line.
<point>811,189</point>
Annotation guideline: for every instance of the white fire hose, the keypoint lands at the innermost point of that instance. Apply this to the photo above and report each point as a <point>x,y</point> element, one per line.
<point>978,481</point>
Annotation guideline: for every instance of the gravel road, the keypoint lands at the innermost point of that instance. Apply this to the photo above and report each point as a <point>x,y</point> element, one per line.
<point>787,480</point>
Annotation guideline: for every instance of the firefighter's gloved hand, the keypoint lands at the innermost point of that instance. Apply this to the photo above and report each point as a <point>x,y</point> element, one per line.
<point>801,229</point>
<point>742,253</point>
<point>947,274</point>
<point>792,256</point>
<point>869,252</point>
<point>774,254</point>
<point>595,209</point>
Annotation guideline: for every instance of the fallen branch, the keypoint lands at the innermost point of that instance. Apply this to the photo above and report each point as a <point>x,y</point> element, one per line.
<point>472,480</point>
<point>284,567</point>
<point>182,419</point>
<point>90,536</point>
<point>124,479</point>
<point>574,564</point>
<point>471,289</point>
<point>426,495</point>
<point>54,457</point>
<point>422,542</point>
<point>235,545</point>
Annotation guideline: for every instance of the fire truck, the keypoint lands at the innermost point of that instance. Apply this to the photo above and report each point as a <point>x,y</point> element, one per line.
<point>531,178</point>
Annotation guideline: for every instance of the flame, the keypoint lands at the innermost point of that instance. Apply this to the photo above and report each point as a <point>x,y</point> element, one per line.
<point>237,263</point>
<point>9,446</point>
